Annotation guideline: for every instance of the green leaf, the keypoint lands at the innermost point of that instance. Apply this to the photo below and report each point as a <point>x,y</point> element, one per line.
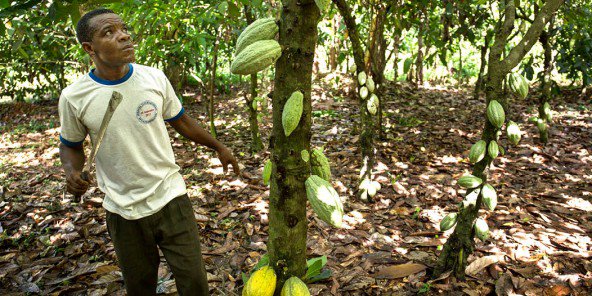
<point>262,262</point>
<point>407,65</point>
<point>327,273</point>
<point>314,266</point>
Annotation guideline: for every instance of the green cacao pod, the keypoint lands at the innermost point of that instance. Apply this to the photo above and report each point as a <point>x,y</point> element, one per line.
<point>294,287</point>
<point>352,69</point>
<point>493,149</point>
<point>496,114</point>
<point>477,151</point>
<point>547,111</point>
<point>533,119</point>
<point>267,171</point>
<point>372,188</point>
<point>489,197</point>
<point>513,132</point>
<point>324,200</point>
<point>481,229</point>
<point>362,78</point>
<point>323,6</point>
<point>541,125</point>
<point>370,84</point>
<point>261,29</point>
<point>292,112</point>
<point>448,222</point>
<point>363,92</point>
<point>320,165</point>
<point>261,283</point>
<point>372,104</point>
<point>469,181</point>
<point>256,57</point>
<point>518,84</point>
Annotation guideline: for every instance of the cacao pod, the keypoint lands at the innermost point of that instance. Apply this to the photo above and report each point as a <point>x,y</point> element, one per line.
<point>320,165</point>
<point>372,188</point>
<point>305,155</point>
<point>370,84</point>
<point>469,181</point>
<point>362,78</point>
<point>471,197</point>
<point>513,132</point>
<point>323,6</point>
<point>489,197</point>
<point>547,111</point>
<point>541,125</point>
<point>363,92</point>
<point>324,200</point>
<point>481,229</point>
<point>353,68</point>
<point>261,283</point>
<point>477,152</point>
<point>292,112</point>
<point>493,149</point>
<point>372,104</point>
<point>533,119</point>
<point>261,29</point>
<point>267,171</point>
<point>518,84</point>
<point>294,287</point>
<point>496,114</point>
<point>448,222</point>
<point>256,57</point>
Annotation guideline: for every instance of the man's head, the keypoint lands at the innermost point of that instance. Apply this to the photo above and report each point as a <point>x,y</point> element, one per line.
<point>105,38</point>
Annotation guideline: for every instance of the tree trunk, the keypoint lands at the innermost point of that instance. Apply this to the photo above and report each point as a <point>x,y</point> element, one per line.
<point>256,144</point>
<point>287,199</point>
<point>378,58</point>
<point>460,244</point>
<point>367,135</point>
<point>546,82</point>
<point>479,83</point>
<point>419,60</point>
<point>213,83</point>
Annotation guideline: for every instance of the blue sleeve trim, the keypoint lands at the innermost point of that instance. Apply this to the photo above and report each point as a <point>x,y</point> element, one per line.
<point>176,116</point>
<point>70,144</point>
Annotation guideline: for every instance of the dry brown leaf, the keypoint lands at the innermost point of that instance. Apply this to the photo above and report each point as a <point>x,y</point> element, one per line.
<point>476,266</point>
<point>399,271</point>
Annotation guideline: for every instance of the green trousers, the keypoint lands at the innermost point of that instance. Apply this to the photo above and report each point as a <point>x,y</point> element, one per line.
<point>172,229</point>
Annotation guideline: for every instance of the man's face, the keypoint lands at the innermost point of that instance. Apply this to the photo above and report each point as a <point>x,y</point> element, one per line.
<point>111,44</point>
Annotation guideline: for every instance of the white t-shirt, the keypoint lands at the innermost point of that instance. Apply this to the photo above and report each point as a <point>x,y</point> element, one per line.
<point>135,163</point>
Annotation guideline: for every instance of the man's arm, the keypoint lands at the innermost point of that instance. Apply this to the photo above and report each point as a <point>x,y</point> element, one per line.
<point>188,128</point>
<point>72,161</point>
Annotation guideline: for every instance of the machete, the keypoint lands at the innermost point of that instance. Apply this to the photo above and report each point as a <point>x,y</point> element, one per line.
<point>116,98</point>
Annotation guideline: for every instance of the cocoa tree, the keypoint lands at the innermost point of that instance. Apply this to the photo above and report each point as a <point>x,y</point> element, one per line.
<point>256,144</point>
<point>461,244</point>
<point>287,199</point>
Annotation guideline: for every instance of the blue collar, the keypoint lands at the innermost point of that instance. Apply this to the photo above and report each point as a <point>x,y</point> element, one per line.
<point>112,82</point>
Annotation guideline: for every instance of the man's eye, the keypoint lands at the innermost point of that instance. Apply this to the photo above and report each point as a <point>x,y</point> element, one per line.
<point>108,33</point>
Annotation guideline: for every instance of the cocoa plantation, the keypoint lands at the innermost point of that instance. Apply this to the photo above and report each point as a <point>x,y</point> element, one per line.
<point>263,148</point>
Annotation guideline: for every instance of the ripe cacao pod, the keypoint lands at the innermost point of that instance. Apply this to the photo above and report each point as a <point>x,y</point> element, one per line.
<point>292,112</point>
<point>370,84</point>
<point>294,287</point>
<point>362,78</point>
<point>320,165</point>
<point>489,197</point>
<point>496,114</point>
<point>493,149</point>
<point>363,92</point>
<point>324,200</point>
<point>469,181</point>
<point>256,57</point>
<point>481,229</point>
<point>547,111</point>
<point>261,283</point>
<point>513,132</point>
<point>267,171</point>
<point>261,29</point>
<point>448,222</point>
<point>477,152</point>
<point>372,104</point>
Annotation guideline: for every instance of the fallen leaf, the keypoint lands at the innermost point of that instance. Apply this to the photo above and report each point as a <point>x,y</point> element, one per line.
<point>476,266</point>
<point>399,271</point>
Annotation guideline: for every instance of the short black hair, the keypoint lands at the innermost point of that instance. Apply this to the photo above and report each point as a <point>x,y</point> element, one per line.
<point>83,30</point>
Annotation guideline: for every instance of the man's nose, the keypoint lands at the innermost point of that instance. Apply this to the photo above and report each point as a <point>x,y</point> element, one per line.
<point>124,36</point>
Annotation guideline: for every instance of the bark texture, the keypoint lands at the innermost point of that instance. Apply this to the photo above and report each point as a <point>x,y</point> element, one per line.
<point>287,200</point>
<point>461,244</point>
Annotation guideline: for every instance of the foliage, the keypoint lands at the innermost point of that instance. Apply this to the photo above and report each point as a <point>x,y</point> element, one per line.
<point>574,41</point>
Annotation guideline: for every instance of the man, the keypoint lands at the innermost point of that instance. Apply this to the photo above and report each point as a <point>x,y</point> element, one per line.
<point>145,196</point>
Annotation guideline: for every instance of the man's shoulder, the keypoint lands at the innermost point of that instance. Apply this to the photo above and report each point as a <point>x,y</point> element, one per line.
<point>80,84</point>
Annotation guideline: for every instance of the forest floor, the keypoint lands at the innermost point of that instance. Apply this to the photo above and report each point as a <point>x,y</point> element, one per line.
<point>540,241</point>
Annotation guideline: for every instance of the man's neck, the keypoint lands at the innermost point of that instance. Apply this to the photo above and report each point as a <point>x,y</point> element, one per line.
<point>112,73</point>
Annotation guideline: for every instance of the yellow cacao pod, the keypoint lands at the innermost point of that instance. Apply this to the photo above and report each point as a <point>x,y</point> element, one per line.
<point>256,57</point>
<point>294,287</point>
<point>261,283</point>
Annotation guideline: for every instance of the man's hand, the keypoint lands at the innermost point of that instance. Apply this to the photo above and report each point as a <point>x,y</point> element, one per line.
<point>226,158</point>
<point>75,184</point>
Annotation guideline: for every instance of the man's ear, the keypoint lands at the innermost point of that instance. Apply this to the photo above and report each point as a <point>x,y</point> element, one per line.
<point>87,46</point>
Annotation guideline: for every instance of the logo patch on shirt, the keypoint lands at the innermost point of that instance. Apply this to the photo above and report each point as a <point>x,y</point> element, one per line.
<point>146,112</point>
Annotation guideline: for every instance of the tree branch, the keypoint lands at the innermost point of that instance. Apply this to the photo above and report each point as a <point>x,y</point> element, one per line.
<point>352,29</point>
<point>501,36</point>
<point>532,35</point>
